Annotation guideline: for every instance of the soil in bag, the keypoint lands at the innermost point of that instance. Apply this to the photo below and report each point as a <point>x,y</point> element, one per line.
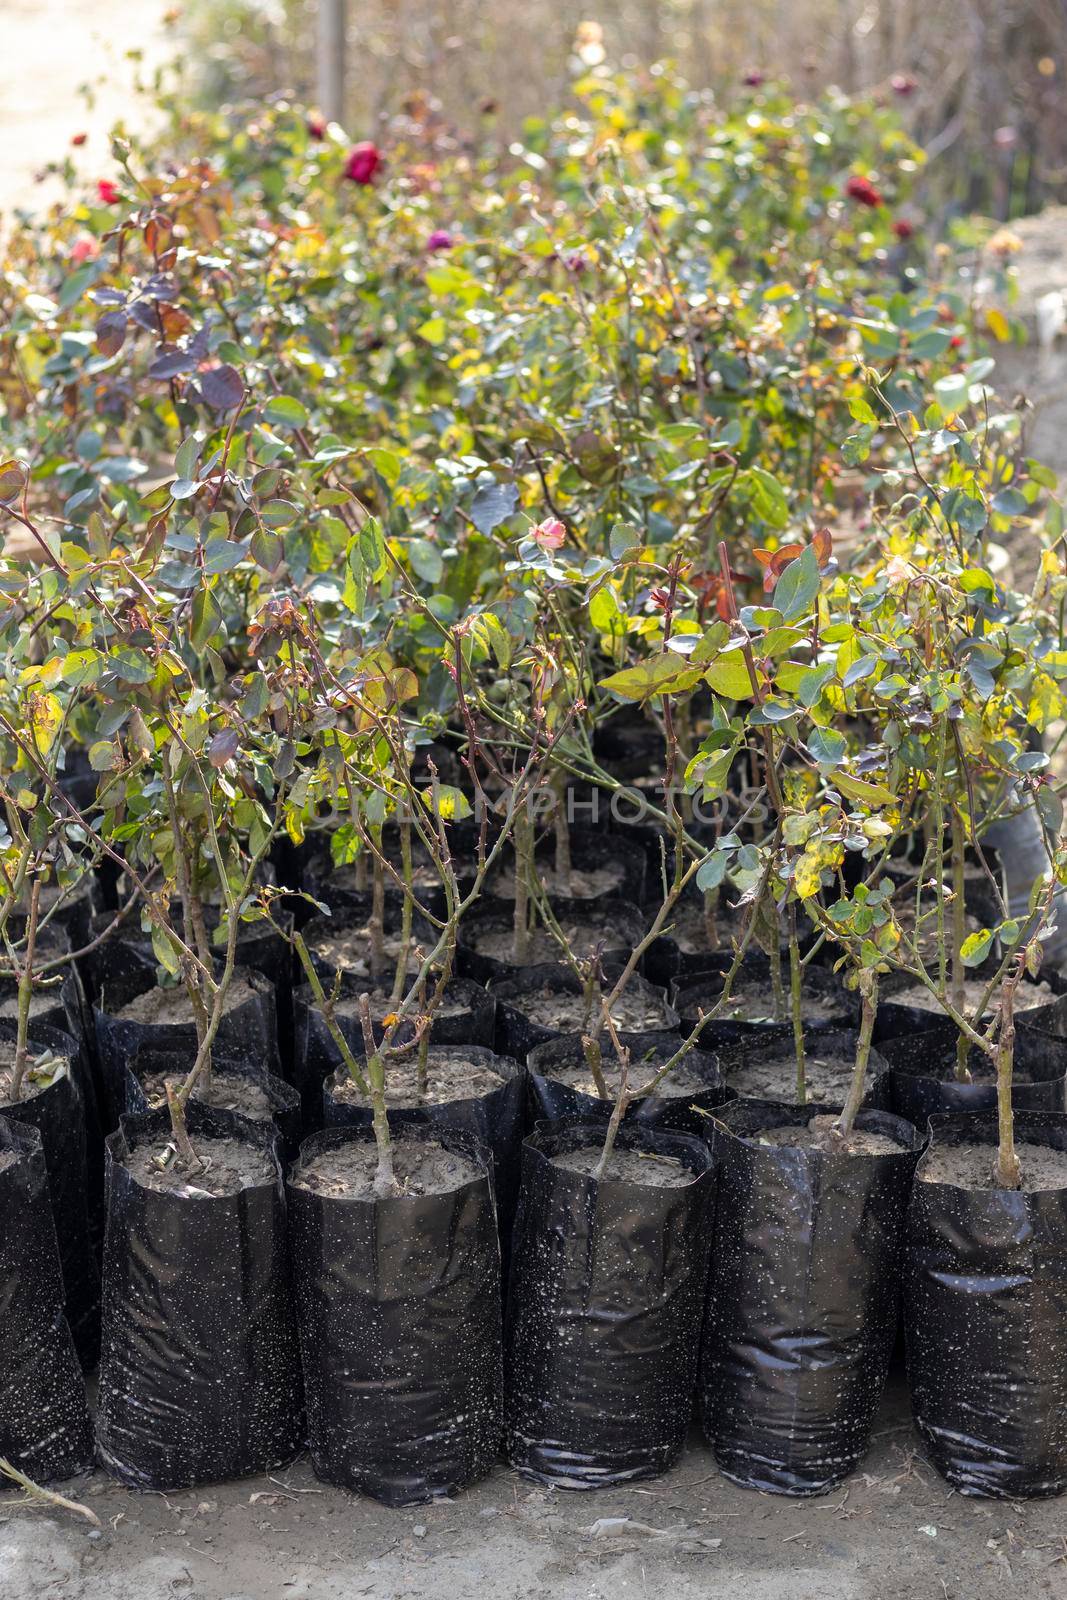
<point>562,1087</point>
<point>906,1008</point>
<point>749,1011</point>
<point>257,1096</point>
<point>802,1297</point>
<point>607,928</point>
<point>766,1069</point>
<point>51,1103</point>
<point>605,1303</point>
<point>200,1371</point>
<point>603,866</point>
<point>985,1307</point>
<point>133,1013</point>
<point>44,1417</point>
<point>398,1302</point>
<point>468,1089</point>
<point>923,1082</point>
<point>465,1015</point>
<point>550,1002</point>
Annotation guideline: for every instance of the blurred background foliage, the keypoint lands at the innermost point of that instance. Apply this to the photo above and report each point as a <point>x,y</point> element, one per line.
<point>980,83</point>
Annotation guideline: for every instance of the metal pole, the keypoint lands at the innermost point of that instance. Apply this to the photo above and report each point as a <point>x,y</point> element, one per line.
<point>330,59</point>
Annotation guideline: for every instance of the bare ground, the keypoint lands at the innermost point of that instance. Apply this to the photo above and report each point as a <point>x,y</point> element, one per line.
<point>52,48</point>
<point>895,1530</point>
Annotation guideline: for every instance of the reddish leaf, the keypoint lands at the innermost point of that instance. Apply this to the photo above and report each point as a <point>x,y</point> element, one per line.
<point>111,332</point>
<point>171,365</point>
<point>222,388</point>
<point>223,747</point>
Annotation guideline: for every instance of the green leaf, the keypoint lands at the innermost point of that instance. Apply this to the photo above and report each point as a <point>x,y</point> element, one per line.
<point>205,618</point>
<point>713,871</point>
<point>659,674</point>
<point>164,952</point>
<point>729,676</point>
<point>493,504</point>
<point>426,560</point>
<point>797,588</point>
<point>452,804</point>
<point>285,412</point>
<point>187,457</point>
<point>605,613</point>
<point>768,498</point>
<point>623,540</point>
<point>827,747</point>
<point>976,947</point>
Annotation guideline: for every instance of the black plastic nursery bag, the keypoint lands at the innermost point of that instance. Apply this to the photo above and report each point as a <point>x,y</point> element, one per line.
<point>556,1101</point>
<point>44,1418</point>
<point>398,1303</point>
<point>466,1016</point>
<point>923,1083</point>
<point>247,1032</point>
<point>985,1318</point>
<point>56,1112</point>
<point>283,1100</point>
<point>802,1299</point>
<point>200,1370</point>
<point>496,1118</point>
<point>604,1311</point>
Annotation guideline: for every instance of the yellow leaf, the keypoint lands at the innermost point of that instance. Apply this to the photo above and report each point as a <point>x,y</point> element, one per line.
<point>998,325</point>
<point>729,676</point>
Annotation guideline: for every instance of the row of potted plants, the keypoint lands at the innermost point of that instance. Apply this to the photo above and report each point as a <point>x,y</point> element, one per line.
<point>569,678</point>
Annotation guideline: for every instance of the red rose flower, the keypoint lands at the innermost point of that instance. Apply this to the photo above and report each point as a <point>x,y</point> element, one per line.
<point>108,192</point>
<point>316,127</point>
<point>956,342</point>
<point>364,159</point>
<point>79,138</point>
<point>903,228</point>
<point>440,239</point>
<point>84,248</point>
<point>863,191</point>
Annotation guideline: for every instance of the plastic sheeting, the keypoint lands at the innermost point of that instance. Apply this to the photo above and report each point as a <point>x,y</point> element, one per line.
<point>802,1299</point>
<point>985,1318</point>
<point>398,1302</point>
<point>689,995</point>
<point>282,1098</point>
<point>604,1312</point>
<point>200,1370</point>
<point>616,925</point>
<point>44,1418</point>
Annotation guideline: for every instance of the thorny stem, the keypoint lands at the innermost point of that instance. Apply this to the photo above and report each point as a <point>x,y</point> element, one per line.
<point>405,912</point>
<point>1008,1173</point>
<point>868,987</point>
<point>25,994</point>
<point>377,913</point>
<point>795,974</point>
<point>562,831</point>
<point>385,1183</point>
<point>959,933</point>
<point>523,871</point>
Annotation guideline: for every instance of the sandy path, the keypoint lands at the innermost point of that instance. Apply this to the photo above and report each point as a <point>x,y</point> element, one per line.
<point>50,50</point>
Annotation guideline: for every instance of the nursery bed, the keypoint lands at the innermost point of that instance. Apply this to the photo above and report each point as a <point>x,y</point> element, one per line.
<point>894,1530</point>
